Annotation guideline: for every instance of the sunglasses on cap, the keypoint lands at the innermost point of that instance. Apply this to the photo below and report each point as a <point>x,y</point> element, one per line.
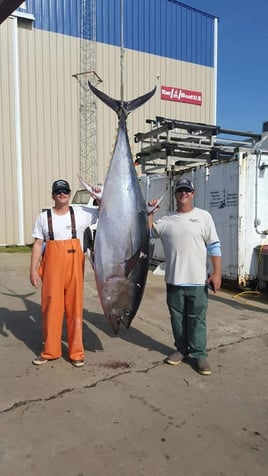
<point>65,191</point>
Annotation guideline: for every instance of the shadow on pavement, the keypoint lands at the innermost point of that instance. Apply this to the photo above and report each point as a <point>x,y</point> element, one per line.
<point>26,326</point>
<point>235,304</point>
<point>131,335</point>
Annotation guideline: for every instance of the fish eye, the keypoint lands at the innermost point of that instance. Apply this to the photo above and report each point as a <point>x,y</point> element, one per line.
<point>127,312</point>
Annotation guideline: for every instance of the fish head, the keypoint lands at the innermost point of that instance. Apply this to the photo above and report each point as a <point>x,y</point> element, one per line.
<point>120,298</point>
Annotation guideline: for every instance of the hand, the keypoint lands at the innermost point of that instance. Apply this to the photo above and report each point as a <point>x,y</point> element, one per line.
<point>34,278</point>
<point>97,193</point>
<point>153,206</point>
<point>214,282</point>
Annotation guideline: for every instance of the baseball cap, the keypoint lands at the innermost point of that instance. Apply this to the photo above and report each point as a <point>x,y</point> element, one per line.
<point>60,185</point>
<point>184,183</point>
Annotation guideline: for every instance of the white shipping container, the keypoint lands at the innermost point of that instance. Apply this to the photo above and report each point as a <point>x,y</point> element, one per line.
<point>235,192</point>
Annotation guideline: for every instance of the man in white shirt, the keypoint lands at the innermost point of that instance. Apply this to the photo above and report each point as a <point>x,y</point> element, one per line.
<point>188,235</point>
<point>58,259</point>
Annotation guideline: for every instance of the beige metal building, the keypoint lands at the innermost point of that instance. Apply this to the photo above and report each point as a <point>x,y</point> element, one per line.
<point>43,86</point>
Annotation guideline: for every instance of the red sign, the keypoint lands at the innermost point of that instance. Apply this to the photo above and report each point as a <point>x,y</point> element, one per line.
<point>181,95</point>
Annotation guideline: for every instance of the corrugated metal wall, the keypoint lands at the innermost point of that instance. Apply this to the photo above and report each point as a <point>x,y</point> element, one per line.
<point>160,27</point>
<point>50,116</point>
<point>165,28</point>
<point>141,73</point>
<point>49,122</point>
<point>178,51</point>
<point>58,16</point>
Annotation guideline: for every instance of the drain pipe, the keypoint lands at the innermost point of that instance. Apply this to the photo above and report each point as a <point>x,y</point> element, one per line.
<point>216,22</point>
<point>21,239</point>
<point>259,166</point>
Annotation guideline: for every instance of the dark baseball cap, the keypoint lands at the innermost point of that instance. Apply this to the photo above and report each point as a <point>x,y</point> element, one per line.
<point>184,183</point>
<point>60,185</point>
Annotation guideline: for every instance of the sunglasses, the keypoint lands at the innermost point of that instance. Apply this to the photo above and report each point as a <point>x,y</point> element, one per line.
<point>62,190</point>
<point>184,190</point>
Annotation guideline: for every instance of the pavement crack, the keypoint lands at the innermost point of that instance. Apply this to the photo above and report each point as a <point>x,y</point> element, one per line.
<point>239,341</point>
<point>60,394</point>
<point>20,404</point>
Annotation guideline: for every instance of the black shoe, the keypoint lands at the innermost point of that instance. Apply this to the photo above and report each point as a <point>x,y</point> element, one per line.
<point>176,358</point>
<point>203,367</point>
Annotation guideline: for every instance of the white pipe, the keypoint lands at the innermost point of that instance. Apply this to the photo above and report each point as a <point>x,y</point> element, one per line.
<point>216,21</point>
<point>257,221</point>
<point>21,239</point>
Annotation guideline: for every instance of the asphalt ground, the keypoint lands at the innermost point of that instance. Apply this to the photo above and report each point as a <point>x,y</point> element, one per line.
<point>127,412</point>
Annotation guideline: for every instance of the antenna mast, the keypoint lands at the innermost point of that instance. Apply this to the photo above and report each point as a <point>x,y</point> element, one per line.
<point>88,107</point>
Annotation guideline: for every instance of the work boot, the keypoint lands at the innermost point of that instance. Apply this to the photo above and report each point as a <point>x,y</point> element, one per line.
<point>202,366</point>
<point>175,358</point>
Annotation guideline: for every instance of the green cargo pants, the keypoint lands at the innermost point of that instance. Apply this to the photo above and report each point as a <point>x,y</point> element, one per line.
<point>188,307</point>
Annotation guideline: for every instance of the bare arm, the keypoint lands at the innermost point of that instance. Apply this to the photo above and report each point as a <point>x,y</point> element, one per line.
<point>150,220</point>
<point>152,203</point>
<point>35,261</point>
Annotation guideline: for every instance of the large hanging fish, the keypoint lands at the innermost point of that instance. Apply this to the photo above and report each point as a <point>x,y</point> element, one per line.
<point>121,250</point>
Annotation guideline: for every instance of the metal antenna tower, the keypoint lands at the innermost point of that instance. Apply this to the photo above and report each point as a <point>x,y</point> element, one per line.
<point>88,107</point>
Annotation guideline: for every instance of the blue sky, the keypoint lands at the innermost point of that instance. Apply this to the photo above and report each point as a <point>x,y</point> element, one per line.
<point>242,98</point>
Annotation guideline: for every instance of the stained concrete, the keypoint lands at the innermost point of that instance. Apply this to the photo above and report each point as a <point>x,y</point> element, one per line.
<point>126,412</point>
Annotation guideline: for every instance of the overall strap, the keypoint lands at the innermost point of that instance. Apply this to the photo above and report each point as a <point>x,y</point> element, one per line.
<point>50,227</point>
<point>73,222</point>
<point>49,222</point>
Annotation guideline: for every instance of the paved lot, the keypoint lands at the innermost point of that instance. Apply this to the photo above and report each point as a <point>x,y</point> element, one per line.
<point>126,412</point>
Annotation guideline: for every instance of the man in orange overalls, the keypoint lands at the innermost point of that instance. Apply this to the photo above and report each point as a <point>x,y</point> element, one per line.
<point>61,268</point>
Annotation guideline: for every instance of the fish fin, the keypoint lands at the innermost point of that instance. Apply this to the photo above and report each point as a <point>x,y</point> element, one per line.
<point>86,185</point>
<point>154,207</point>
<point>116,104</point>
<point>131,263</point>
<point>89,188</point>
<point>130,106</point>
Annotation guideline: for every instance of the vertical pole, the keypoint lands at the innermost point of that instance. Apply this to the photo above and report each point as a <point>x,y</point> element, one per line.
<point>21,239</point>
<point>215,68</point>
<point>122,50</point>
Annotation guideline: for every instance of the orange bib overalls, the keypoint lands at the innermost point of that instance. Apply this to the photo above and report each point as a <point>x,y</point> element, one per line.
<point>62,273</point>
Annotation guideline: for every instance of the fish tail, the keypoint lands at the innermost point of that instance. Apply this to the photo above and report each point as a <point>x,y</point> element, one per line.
<point>116,104</point>
<point>86,185</point>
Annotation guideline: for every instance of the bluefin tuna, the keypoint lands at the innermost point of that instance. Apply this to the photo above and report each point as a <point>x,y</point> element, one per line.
<point>121,248</point>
